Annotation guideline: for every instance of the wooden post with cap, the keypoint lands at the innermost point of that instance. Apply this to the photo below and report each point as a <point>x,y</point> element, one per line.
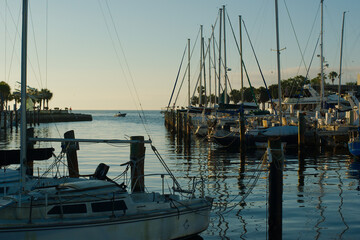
<point>71,155</point>
<point>137,161</point>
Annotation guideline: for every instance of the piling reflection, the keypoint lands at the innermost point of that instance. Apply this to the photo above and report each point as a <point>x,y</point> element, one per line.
<point>320,206</point>
<point>340,209</point>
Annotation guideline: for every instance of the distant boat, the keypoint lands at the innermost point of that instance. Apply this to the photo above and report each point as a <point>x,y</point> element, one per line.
<point>119,114</point>
<point>354,143</point>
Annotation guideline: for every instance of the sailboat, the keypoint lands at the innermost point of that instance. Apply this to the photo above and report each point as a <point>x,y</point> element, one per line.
<point>96,207</point>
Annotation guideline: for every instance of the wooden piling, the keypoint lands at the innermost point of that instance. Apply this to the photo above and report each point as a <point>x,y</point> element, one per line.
<point>173,121</point>
<point>137,160</point>
<point>71,154</point>
<point>275,189</point>
<point>178,123</point>
<point>188,131</point>
<point>183,125</point>
<point>301,130</point>
<point>301,170</point>
<point>242,131</point>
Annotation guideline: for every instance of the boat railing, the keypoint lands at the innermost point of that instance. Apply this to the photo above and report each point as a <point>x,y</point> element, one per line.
<point>191,192</point>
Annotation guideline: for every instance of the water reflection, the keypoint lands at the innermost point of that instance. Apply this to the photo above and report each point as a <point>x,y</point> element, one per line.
<point>320,185</point>
<point>340,210</point>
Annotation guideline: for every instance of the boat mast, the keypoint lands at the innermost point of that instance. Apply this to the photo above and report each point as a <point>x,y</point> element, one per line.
<point>23,150</point>
<point>278,59</point>
<point>219,95</point>
<point>241,63</point>
<point>189,102</point>
<point>204,70</point>
<point>225,66</point>
<point>341,52</point>
<point>322,58</point>
<point>201,64</point>
<point>209,48</point>
<point>215,85</point>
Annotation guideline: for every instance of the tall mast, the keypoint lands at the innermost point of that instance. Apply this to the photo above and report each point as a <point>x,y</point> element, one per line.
<point>220,56</point>
<point>209,71</point>
<point>189,102</point>
<point>322,58</point>
<point>341,52</point>
<point>201,64</point>
<point>241,62</point>
<point>225,66</point>
<point>278,58</point>
<point>23,150</point>
<point>215,89</point>
<point>204,72</point>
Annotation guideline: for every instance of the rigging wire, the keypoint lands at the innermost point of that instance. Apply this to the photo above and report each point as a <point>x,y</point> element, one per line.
<point>131,91</point>
<point>15,37</point>
<point>296,38</point>
<point>306,46</point>
<point>17,34</point>
<point>5,34</point>
<point>247,76</point>
<point>177,76</point>
<point>307,73</point>
<point>46,42</point>
<point>197,37</point>
<point>35,45</point>
<point>141,111</point>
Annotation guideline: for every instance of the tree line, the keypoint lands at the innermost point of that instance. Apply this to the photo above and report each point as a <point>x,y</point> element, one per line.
<point>42,97</point>
<point>291,87</point>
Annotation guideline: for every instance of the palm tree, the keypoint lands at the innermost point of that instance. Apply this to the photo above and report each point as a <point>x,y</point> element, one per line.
<point>42,95</point>
<point>47,95</point>
<point>16,96</point>
<point>5,91</point>
<point>332,76</point>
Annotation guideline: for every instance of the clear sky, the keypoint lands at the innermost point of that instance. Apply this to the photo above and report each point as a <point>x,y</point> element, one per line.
<point>75,52</point>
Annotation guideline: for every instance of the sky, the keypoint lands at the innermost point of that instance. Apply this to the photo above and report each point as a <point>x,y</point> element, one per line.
<point>120,55</point>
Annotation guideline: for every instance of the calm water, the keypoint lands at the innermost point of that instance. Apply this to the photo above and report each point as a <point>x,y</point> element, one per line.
<point>321,192</point>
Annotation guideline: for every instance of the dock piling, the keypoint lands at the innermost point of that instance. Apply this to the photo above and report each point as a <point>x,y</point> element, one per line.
<point>71,154</point>
<point>275,189</point>
<point>137,160</point>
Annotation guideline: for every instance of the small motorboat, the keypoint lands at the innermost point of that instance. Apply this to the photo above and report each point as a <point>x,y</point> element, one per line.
<point>119,114</point>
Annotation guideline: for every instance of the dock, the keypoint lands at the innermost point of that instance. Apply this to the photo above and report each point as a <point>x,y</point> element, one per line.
<point>9,119</point>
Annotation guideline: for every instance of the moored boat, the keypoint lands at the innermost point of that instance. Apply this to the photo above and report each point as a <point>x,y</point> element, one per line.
<point>354,143</point>
<point>95,206</point>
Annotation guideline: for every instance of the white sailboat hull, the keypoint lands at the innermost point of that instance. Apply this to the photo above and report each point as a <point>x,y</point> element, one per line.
<point>166,225</point>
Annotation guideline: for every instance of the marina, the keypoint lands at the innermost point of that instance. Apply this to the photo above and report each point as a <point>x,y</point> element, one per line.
<point>321,187</point>
<point>238,152</point>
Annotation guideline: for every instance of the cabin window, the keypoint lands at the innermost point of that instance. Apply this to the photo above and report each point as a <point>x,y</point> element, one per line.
<point>68,209</point>
<point>108,206</point>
